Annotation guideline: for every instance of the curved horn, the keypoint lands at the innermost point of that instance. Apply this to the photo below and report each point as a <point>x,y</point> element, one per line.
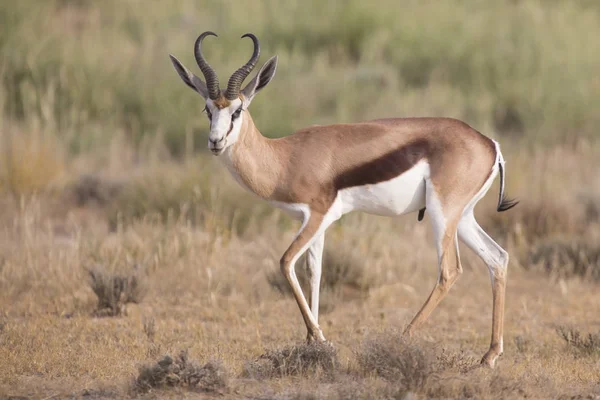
<point>212,81</point>
<point>235,82</point>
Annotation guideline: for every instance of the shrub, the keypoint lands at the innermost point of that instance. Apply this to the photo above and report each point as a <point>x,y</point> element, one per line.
<point>456,360</point>
<point>530,222</point>
<point>184,373</point>
<point>92,190</point>
<point>301,359</point>
<point>581,343</point>
<point>396,359</point>
<point>566,258</point>
<point>114,290</point>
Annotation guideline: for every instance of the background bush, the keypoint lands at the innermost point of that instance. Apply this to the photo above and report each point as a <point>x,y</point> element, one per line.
<point>91,70</point>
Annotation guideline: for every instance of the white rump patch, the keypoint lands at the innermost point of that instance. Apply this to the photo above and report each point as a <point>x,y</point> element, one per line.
<point>401,195</point>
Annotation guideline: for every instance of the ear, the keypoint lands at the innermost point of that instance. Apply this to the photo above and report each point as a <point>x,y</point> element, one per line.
<point>264,76</point>
<point>189,78</point>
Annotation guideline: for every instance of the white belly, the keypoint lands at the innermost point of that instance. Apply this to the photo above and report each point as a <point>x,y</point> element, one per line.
<point>401,195</point>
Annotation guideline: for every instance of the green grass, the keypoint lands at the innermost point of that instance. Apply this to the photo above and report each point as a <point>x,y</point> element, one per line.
<point>89,70</point>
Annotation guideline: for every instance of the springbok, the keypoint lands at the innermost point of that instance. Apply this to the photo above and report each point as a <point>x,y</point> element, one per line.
<point>385,167</point>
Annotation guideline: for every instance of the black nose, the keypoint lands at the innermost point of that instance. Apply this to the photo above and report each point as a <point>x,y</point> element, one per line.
<point>216,141</point>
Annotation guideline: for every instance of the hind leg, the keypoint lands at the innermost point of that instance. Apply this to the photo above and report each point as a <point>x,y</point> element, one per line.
<point>444,223</point>
<point>496,259</point>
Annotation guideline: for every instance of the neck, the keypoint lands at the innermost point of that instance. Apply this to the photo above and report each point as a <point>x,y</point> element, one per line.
<point>253,161</point>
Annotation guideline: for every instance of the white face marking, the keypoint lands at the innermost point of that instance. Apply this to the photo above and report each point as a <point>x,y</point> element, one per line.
<point>400,195</point>
<point>224,125</point>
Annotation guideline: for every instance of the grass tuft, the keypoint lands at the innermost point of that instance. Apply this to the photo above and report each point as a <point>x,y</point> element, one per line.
<point>91,190</point>
<point>183,373</point>
<point>567,258</point>
<point>396,359</point>
<point>150,328</point>
<point>583,344</point>
<point>114,290</point>
<point>303,359</point>
<point>531,221</point>
<point>456,361</point>
<point>523,344</point>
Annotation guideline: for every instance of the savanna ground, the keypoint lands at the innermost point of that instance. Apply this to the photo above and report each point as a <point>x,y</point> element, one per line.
<point>131,265</point>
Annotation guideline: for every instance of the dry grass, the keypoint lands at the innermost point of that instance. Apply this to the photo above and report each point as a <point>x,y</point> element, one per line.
<point>207,291</point>
<point>112,181</point>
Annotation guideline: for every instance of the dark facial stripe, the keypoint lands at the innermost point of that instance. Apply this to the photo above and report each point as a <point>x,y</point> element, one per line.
<point>386,167</point>
<point>230,129</point>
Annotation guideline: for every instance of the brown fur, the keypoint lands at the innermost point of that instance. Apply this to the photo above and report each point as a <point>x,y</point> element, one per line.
<point>221,102</point>
<point>311,165</point>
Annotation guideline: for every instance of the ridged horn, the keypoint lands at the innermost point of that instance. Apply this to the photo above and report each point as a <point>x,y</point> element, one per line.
<point>212,81</point>
<point>235,82</point>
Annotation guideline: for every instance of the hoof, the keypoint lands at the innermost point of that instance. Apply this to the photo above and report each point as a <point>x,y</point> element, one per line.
<point>489,359</point>
<point>488,362</point>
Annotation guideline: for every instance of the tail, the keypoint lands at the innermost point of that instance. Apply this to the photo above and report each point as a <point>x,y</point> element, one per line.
<point>504,203</point>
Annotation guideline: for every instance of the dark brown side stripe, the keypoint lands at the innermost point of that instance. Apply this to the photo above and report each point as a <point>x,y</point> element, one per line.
<point>386,167</point>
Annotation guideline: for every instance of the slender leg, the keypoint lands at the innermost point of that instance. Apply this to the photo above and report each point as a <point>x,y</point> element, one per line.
<point>314,266</point>
<point>443,222</point>
<point>450,269</point>
<point>313,229</point>
<point>496,259</point>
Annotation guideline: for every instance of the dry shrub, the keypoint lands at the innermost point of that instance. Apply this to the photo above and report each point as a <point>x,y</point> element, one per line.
<point>313,358</point>
<point>396,360</point>
<point>149,325</point>
<point>92,190</point>
<point>566,258</point>
<point>456,361</point>
<point>583,344</point>
<point>589,199</point>
<point>523,344</point>
<point>115,289</point>
<point>184,373</point>
<point>529,222</point>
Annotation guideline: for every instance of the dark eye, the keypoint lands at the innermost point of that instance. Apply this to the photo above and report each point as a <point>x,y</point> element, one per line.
<point>236,114</point>
<point>208,114</point>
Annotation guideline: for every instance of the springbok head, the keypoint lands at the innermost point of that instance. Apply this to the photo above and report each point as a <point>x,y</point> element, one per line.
<point>225,109</point>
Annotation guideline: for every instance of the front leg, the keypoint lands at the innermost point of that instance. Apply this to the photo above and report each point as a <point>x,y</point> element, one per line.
<point>313,228</point>
<point>314,267</point>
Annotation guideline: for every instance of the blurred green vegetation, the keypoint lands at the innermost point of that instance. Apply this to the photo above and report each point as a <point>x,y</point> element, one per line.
<point>88,70</point>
